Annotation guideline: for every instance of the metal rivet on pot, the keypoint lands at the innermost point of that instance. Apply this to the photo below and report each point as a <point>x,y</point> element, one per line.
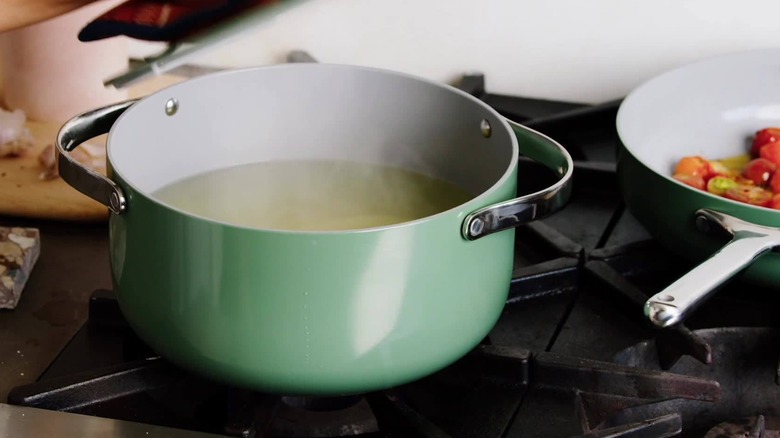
<point>476,227</point>
<point>703,224</point>
<point>171,106</point>
<point>115,202</point>
<point>484,126</point>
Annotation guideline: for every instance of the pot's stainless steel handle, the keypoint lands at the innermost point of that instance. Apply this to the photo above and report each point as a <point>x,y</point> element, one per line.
<point>527,208</point>
<point>672,305</point>
<point>75,132</point>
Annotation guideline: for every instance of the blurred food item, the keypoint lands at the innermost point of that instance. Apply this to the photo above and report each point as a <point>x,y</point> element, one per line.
<point>19,250</point>
<point>750,178</point>
<point>15,138</point>
<point>48,160</point>
<point>88,154</point>
<point>51,75</point>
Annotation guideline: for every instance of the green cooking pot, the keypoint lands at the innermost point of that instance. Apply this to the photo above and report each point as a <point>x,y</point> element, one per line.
<point>710,108</point>
<point>311,312</point>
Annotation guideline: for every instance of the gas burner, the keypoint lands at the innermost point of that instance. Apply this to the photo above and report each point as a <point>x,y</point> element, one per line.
<point>744,362</point>
<point>323,417</point>
<point>752,427</point>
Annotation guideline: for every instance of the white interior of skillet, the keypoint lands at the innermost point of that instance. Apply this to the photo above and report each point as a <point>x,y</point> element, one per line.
<point>710,108</point>
<point>313,112</point>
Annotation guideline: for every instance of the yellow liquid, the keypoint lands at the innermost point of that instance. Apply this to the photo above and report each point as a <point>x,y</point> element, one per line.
<point>313,195</point>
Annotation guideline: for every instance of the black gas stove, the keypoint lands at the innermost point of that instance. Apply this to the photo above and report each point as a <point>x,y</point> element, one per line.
<point>571,356</point>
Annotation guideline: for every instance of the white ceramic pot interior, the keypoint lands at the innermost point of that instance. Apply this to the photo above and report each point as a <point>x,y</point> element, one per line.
<point>711,108</point>
<point>312,112</point>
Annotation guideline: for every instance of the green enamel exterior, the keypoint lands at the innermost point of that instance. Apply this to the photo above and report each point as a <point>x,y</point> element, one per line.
<point>667,210</point>
<point>309,313</point>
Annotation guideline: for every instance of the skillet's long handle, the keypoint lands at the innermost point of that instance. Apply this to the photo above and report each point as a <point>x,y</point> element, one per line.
<point>75,132</point>
<point>519,211</point>
<point>672,305</point>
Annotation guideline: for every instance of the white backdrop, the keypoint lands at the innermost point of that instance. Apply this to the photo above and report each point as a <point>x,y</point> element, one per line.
<point>579,50</point>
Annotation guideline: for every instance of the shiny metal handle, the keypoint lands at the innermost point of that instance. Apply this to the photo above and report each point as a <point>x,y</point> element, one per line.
<point>527,208</point>
<point>75,132</point>
<point>672,305</point>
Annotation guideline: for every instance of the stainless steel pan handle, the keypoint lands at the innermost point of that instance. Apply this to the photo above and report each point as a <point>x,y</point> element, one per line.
<point>75,132</point>
<point>672,305</point>
<point>527,208</point>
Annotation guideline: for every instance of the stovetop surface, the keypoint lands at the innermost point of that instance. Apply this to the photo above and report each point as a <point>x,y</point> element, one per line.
<point>579,281</point>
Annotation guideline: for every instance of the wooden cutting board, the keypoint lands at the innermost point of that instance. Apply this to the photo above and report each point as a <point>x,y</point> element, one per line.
<point>24,194</point>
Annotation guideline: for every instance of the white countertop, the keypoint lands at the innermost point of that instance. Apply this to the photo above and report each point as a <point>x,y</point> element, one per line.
<point>577,50</point>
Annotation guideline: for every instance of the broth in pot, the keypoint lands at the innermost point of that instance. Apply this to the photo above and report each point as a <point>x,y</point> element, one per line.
<point>313,195</point>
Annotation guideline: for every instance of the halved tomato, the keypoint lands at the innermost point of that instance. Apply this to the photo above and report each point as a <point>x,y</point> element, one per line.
<point>719,184</point>
<point>760,171</point>
<point>775,202</point>
<point>774,183</point>
<point>694,181</point>
<point>695,166</point>
<point>719,168</point>
<point>771,152</point>
<point>749,195</point>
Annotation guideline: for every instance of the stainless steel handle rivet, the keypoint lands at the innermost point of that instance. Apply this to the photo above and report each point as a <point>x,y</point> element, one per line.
<point>485,128</point>
<point>116,202</point>
<point>476,227</point>
<point>703,224</point>
<point>171,106</point>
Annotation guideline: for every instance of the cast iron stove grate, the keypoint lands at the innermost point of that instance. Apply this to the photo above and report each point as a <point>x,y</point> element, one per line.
<point>548,369</point>
<point>478,396</point>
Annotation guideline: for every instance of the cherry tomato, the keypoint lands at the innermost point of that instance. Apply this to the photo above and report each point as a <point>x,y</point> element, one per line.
<point>749,194</point>
<point>696,166</point>
<point>764,136</point>
<point>719,184</point>
<point>771,151</point>
<point>774,183</point>
<point>694,181</point>
<point>760,171</point>
<point>775,202</point>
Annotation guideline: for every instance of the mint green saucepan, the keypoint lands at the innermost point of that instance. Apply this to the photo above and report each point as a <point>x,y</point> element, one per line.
<point>311,312</point>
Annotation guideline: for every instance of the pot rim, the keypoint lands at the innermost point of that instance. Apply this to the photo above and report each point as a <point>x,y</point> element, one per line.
<point>478,201</point>
<point>635,97</point>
